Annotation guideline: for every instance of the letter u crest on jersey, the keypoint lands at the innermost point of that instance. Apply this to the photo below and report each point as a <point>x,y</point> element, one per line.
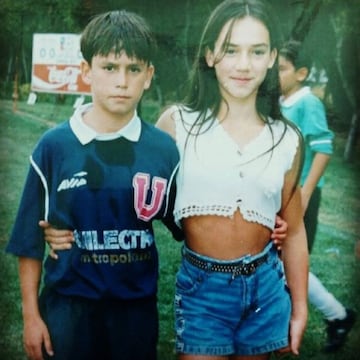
<point>141,183</point>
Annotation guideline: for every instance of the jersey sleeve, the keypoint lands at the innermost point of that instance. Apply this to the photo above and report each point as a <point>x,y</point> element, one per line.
<point>27,238</point>
<point>316,131</point>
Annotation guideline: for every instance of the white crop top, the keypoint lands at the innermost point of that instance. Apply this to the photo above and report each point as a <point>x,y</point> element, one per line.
<point>220,179</point>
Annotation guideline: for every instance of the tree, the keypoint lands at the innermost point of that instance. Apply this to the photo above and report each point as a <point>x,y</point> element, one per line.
<point>330,29</point>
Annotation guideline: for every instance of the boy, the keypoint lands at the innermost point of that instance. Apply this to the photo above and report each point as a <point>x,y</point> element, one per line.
<point>106,175</point>
<point>303,108</point>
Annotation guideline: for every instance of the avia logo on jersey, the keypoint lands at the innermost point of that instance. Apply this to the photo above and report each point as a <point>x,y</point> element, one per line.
<point>76,181</point>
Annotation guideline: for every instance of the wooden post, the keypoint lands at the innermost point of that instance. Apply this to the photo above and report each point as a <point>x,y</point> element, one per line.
<point>352,138</point>
<point>15,95</point>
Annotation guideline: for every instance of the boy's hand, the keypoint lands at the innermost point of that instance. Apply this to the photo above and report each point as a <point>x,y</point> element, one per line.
<point>36,337</point>
<point>57,239</point>
<point>280,232</point>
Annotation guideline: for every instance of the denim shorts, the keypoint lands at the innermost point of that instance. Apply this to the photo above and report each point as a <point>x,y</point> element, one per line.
<point>219,313</point>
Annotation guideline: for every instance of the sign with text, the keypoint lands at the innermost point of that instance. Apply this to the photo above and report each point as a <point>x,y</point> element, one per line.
<point>56,64</point>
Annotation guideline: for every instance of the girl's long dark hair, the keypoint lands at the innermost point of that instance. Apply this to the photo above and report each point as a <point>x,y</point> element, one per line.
<point>203,92</point>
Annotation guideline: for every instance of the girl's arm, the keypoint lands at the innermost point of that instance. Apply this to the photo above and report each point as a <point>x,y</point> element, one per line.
<point>36,334</point>
<point>58,239</point>
<point>166,122</point>
<point>295,257</point>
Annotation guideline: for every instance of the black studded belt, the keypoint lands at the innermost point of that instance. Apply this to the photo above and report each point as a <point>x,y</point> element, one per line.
<point>236,268</point>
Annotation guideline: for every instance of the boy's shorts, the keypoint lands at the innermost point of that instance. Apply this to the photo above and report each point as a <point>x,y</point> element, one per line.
<point>85,329</point>
<point>244,311</point>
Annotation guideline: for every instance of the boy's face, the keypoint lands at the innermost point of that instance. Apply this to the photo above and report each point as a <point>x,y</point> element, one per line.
<point>117,83</point>
<point>290,78</point>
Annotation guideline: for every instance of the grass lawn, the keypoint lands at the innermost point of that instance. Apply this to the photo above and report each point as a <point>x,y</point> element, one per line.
<point>332,260</point>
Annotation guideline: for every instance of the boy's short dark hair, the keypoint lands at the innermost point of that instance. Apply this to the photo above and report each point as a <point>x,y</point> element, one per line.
<point>117,31</point>
<point>295,52</point>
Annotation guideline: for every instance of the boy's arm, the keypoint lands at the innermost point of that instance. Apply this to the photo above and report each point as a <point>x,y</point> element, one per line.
<point>176,232</point>
<point>279,233</point>
<point>317,169</point>
<point>319,140</point>
<point>36,334</point>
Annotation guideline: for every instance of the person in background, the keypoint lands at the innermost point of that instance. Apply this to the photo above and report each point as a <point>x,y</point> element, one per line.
<point>301,106</point>
<point>106,175</point>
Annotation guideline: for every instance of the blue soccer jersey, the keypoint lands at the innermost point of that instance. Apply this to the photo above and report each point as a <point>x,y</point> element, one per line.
<point>108,191</point>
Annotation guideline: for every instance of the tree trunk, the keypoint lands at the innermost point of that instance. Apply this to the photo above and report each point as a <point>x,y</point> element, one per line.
<point>339,63</point>
<point>352,138</point>
<point>25,67</point>
<point>305,20</point>
<point>9,73</point>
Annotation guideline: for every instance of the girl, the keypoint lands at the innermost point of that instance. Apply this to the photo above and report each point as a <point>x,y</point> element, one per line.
<point>239,167</point>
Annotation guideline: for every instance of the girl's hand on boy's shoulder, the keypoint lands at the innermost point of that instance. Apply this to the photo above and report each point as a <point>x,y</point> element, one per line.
<point>58,239</point>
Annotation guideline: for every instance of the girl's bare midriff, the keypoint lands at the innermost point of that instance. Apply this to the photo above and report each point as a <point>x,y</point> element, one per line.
<point>224,238</point>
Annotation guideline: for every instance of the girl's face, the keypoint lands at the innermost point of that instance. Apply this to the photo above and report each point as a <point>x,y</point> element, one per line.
<point>290,78</point>
<point>242,64</point>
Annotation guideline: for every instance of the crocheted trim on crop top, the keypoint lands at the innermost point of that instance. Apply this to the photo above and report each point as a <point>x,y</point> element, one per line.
<point>222,210</point>
<point>253,185</point>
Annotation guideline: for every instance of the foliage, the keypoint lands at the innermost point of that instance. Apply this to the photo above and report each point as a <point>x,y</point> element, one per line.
<point>20,20</point>
<point>329,28</point>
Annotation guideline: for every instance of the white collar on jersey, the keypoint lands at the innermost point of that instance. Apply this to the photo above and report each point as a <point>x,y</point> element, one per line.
<point>293,98</point>
<point>85,133</point>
